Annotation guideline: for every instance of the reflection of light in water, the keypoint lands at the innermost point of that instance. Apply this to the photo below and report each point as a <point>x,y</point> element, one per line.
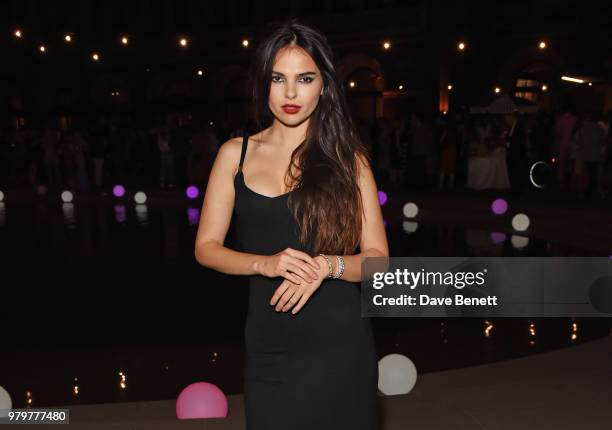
<point>67,196</point>
<point>75,388</point>
<point>443,333</point>
<point>41,190</point>
<point>68,210</point>
<point>499,206</point>
<point>532,333</point>
<point>410,210</point>
<point>520,222</point>
<point>488,328</point>
<point>497,237</point>
<point>193,216</point>
<point>142,214</point>
<point>574,334</point>
<point>2,214</point>
<point>382,197</point>
<point>1,196</point>
<point>122,381</point>
<point>519,242</point>
<point>410,226</point>
<point>140,197</point>
<point>192,192</point>
<point>120,213</point>
<point>118,191</point>
<point>480,242</point>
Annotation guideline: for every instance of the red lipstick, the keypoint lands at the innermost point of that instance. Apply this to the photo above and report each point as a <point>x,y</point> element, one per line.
<point>291,109</point>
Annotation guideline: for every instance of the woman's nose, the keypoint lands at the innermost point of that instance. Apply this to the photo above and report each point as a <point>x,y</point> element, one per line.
<point>290,91</point>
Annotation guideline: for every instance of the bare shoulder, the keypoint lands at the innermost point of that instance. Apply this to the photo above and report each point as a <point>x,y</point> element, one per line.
<point>229,154</point>
<point>364,170</point>
<point>362,162</point>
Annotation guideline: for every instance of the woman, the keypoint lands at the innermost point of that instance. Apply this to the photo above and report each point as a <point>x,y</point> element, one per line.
<point>304,198</point>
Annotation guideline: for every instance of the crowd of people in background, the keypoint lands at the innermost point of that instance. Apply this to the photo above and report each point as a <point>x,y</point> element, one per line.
<point>416,152</point>
<point>413,152</point>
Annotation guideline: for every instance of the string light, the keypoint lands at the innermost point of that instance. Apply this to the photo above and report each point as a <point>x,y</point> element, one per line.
<point>245,43</point>
<point>461,46</point>
<point>18,34</point>
<point>200,72</point>
<point>95,56</point>
<point>544,87</point>
<point>450,87</point>
<point>497,90</point>
<point>570,79</point>
<point>542,45</point>
<point>183,42</point>
<point>401,87</point>
<point>386,45</point>
<point>68,38</point>
<point>352,84</point>
<point>42,48</point>
<point>124,40</point>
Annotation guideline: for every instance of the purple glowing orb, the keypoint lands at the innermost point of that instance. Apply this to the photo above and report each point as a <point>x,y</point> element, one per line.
<point>192,192</point>
<point>118,191</point>
<point>382,197</point>
<point>499,206</point>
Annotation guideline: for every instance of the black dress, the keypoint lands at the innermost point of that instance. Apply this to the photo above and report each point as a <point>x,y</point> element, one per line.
<point>317,369</point>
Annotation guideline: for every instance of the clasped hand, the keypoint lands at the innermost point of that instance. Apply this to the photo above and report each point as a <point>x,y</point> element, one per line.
<point>303,275</point>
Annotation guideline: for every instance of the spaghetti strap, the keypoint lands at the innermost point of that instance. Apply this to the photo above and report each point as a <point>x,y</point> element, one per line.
<point>245,141</point>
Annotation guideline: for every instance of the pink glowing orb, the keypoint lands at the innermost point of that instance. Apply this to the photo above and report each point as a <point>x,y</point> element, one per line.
<point>201,400</point>
<point>118,191</point>
<point>499,206</point>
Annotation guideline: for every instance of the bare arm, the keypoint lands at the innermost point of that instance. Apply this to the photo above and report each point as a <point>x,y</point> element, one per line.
<point>216,216</point>
<point>215,219</point>
<point>373,236</point>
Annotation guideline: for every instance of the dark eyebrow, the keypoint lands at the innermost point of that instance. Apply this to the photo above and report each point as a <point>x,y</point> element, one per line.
<point>301,74</point>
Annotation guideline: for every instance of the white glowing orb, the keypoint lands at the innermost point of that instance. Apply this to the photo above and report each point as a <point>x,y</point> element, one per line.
<point>140,197</point>
<point>5,403</point>
<point>520,222</point>
<point>410,210</point>
<point>397,374</point>
<point>67,196</point>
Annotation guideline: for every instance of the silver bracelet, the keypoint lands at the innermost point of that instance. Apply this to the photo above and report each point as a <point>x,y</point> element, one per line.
<point>340,271</point>
<point>329,265</point>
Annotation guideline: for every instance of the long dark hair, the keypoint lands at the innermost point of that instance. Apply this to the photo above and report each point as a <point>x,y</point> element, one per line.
<point>325,200</point>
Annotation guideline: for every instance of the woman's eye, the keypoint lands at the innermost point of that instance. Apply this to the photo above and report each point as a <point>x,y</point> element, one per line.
<point>306,79</point>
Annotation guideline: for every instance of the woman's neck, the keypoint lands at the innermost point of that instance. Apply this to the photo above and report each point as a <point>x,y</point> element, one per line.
<point>285,137</point>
